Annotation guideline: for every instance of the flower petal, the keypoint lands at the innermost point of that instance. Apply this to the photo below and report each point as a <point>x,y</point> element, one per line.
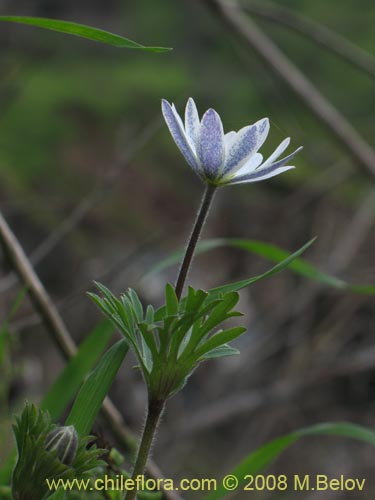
<point>249,139</point>
<point>178,117</point>
<point>192,123</point>
<point>278,151</point>
<point>260,175</point>
<point>278,163</point>
<point>251,165</point>
<point>263,127</point>
<point>211,144</point>
<point>266,171</point>
<point>229,138</point>
<point>175,126</point>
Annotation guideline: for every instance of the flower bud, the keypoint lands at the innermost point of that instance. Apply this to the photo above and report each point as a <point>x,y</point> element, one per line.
<point>64,440</point>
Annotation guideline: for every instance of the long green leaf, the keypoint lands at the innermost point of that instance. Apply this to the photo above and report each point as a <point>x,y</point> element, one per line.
<point>238,285</point>
<point>81,30</point>
<point>95,389</point>
<point>263,456</point>
<point>217,293</point>
<point>274,254</point>
<point>299,266</point>
<point>72,376</point>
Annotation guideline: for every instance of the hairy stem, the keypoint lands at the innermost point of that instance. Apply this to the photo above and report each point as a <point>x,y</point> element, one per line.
<point>155,409</point>
<point>197,229</point>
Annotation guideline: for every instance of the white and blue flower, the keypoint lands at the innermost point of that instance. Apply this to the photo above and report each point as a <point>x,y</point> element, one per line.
<point>221,159</point>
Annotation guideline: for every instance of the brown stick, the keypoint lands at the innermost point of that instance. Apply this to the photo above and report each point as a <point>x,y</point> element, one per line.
<point>60,334</point>
<point>244,28</point>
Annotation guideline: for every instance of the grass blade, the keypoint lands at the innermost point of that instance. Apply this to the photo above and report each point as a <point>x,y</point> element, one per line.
<point>238,285</point>
<point>263,456</point>
<point>81,30</point>
<point>299,266</point>
<point>72,376</point>
<point>95,389</point>
<point>274,254</point>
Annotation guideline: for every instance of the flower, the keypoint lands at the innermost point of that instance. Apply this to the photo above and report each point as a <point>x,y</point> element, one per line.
<point>221,159</point>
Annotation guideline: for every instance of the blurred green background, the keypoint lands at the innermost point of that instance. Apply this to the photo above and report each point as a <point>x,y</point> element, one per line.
<point>81,123</point>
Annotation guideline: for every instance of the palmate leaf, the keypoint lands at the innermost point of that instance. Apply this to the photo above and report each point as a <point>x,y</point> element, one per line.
<point>188,330</point>
<point>260,458</point>
<point>221,351</point>
<point>137,305</point>
<point>171,342</point>
<point>194,299</point>
<point>222,310</point>
<point>82,31</point>
<point>148,338</point>
<point>219,339</point>
<point>274,254</point>
<point>146,352</point>
<point>125,314</point>
<point>171,300</point>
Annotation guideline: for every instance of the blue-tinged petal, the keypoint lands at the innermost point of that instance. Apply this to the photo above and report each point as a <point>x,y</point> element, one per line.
<point>176,129</point>
<point>240,148</point>
<point>247,142</point>
<point>278,151</point>
<point>192,123</point>
<point>229,139</point>
<point>266,171</point>
<point>263,128</point>
<point>178,117</point>
<point>253,163</point>
<point>211,144</point>
<point>259,175</point>
<point>278,163</point>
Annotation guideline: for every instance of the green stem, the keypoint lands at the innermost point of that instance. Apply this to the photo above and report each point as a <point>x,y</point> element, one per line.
<point>197,229</point>
<point>155,409</point>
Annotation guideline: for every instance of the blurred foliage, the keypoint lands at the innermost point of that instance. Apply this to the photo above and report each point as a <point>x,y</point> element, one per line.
<point>75,92</point>
<point>43,118</point>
